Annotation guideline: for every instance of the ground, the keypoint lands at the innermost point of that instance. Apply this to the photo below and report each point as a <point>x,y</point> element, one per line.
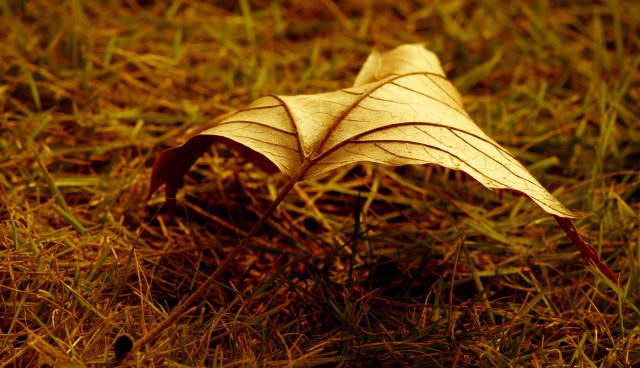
<point>366,266</point>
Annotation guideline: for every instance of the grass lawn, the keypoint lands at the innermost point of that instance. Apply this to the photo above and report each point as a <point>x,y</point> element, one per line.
<point>367,266</point>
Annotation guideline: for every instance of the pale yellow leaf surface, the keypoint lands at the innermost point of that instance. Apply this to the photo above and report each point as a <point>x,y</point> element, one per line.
<point>401,110</point>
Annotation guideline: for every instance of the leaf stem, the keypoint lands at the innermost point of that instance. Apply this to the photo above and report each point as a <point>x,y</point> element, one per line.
<point>179,311</point>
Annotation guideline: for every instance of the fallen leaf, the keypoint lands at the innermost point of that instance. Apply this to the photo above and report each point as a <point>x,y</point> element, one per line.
<point>401,110</point>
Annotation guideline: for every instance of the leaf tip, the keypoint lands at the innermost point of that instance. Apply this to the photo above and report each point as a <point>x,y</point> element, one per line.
<point>173,164</point>
<point>589,253</point>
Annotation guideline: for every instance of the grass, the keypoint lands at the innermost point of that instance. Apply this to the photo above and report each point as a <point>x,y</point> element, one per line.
<point>432,271</point>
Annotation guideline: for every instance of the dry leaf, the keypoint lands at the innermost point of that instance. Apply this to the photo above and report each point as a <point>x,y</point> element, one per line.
<point>401,110</point>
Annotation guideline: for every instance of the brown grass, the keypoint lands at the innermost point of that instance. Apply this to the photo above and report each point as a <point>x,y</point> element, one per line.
<point>445,273</point>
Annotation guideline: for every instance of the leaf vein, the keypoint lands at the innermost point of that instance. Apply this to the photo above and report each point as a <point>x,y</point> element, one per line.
<point>454,108</point>
<point>256,123</point>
